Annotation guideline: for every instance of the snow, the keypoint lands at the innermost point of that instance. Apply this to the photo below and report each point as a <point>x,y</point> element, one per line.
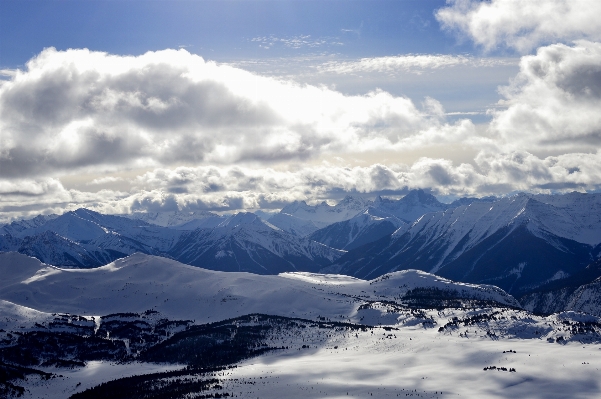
<point>141,282</point>
<point>295,225</point>
<point>424,364</point>
<point>171,218</point>
<point>471,224</point>
<point>409,208</point>
<point>418,352</point>
<point>15,316</point>
<point>301,218</point>
<point>364,226</point>
<point>406,361</point>
<point>94,373</point>
<point>318,278</point>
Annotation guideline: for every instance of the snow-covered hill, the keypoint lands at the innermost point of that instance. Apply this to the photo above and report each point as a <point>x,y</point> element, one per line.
<point>517,243</point>
<point>301,334</point>
<point>141,282</point>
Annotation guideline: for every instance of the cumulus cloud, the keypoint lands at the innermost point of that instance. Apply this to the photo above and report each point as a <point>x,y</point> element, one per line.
<point>522,25</point>
<point>77,109</point>
<point>553,103</point>
<point>413,63</point>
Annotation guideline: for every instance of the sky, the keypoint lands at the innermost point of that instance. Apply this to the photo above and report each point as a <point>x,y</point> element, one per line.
<point>126,106</point>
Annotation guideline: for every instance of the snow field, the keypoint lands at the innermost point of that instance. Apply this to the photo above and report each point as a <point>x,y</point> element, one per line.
<point>421,363</point>
<point>77,380</point>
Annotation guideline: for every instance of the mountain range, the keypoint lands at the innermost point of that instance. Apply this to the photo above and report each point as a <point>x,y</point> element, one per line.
<point>521,243</point>
<point>517,243</point>
<point>184,304</point>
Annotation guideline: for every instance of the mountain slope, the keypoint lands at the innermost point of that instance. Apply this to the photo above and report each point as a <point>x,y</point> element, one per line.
<point>301,219</point>
<point>242,242</point>
<point>409,208</point>
<point>570,293</point>
<point>170,218</point>
<point>245,243</point>
<point>141,282</point>
<point>517,243</point>
<point>17,226</point>
<point>363,228</point>
<point>84,238</point>
<point>294,225</point>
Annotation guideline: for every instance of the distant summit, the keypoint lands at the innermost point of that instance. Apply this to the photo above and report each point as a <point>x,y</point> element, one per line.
<point>411,206</point>
<point>301,219</point>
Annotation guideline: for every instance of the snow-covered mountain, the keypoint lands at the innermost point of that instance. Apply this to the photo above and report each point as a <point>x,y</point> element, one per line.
<point>245,243</point>
<point>294,225</point>
<point>242,242</point>
<point>366,227</point>
<point>301,219</point>
<point>517,243</point>
<point>579,292</point>
<point>17,226</point>
<point>411,206</point>
<point>171,218</point>
<point>84,238</point>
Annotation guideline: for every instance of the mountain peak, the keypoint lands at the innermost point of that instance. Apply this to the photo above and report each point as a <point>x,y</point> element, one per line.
<point>294,207</point>
<point>354,202</point>
<point>419,196</point>
<point>242,218</point>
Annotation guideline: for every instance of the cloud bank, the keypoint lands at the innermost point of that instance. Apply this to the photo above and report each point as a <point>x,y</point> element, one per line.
<point>231,188</point>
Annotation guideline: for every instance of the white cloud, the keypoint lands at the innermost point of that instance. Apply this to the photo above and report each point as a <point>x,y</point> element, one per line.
<point>29,197</point>
<point>79,110</point>
<point>414,63</point>
<point>105,180</point>
<point>522,25</point>
<point>233,188</point>
<point>554,101</point>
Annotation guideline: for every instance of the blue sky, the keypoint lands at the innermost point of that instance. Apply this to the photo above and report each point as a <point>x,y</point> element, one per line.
<point>223,30</point>
<point>230,105</point>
